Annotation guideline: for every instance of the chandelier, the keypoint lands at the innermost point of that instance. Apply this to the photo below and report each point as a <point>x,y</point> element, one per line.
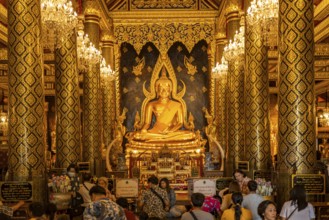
<point>58,22</point>
<point>86,51</point>
<point>220,69</point>
<point>234,51</point>
<point>323,114</point>
<point>3,123</point>
<point>106,71</point>
<point>264,14</point>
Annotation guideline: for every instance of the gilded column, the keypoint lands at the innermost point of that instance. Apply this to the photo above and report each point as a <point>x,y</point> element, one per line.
<point>26,96</point>
<point>296,92</point>
<point>108,90</point>
<point>67,104</point>
<point>234,99</point>
<point>221,96</point>
<point>257,127</point>
<point>91,97</point>
<point>211,85</point>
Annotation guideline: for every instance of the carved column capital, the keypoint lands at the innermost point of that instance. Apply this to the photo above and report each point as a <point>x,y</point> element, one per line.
<point>221,38</point>
<point>232,11</point>
<point>92,11</point>
<point>107,37</point>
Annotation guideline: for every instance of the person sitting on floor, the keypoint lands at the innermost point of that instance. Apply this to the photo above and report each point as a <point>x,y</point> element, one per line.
<point>211,204</point>
<point>174,211</point>
<point>123,202</point>
<point>154,201</point>
<point>237,212</point>
<point>197,200</point>
<point>102,207</point>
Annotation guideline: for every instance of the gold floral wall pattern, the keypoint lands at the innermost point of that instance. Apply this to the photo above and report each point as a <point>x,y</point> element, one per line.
<point>135,69</point>
<point>164,4</point>
<point>164,35</point>
<point>190,70</point>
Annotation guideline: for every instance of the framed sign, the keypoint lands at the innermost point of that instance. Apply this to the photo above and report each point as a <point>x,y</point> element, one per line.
<point>126,187</point>
<point>16,191</point>
<point>313,183</point>
<point>84,167</point>
<point>205,186</point>
<point>242,165</point>
<point>223,182</point>
<point>262,174</point>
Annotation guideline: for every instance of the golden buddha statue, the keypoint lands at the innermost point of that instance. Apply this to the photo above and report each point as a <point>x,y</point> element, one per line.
<point>168,114</point>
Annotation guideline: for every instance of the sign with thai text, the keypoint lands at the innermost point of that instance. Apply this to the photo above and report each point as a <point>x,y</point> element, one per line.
<point>126,188</point>
<point>313,183</point>
<point>16,191</point>
<point>205,186</point>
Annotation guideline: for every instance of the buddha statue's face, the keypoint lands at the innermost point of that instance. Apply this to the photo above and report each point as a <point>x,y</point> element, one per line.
<point>164,89</point>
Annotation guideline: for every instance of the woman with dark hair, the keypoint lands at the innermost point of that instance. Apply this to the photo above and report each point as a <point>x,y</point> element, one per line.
<point>297,207</point>
<point>227,198</point>
<point>173,210</point>
<point>267,210</point>
<point>242,179</point>
<point>236,212</point>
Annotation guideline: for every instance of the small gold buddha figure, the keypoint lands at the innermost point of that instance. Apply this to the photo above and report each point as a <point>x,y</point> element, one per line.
<point>168,115</point>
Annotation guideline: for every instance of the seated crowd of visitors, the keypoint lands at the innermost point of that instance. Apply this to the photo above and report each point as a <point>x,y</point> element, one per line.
<point>239,202</point>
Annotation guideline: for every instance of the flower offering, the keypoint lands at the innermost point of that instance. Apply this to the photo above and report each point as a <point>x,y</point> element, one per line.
<point>264,188</point>
<point>61,184</point>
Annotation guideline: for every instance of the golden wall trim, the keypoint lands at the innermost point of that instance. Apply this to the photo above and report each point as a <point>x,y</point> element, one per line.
<point>143,17</point>
<point>321,10</point>
<point>221,19</point>
<point>321,50</point>
<point>232,9</point>
<point>3,12</point>
<point>3,33</point>
<point>3,54</point>
<point>49,57</point>
<point>321,31</point>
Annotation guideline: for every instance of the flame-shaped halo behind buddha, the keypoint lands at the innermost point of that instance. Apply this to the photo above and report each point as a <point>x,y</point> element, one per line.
<point>150,95</point>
